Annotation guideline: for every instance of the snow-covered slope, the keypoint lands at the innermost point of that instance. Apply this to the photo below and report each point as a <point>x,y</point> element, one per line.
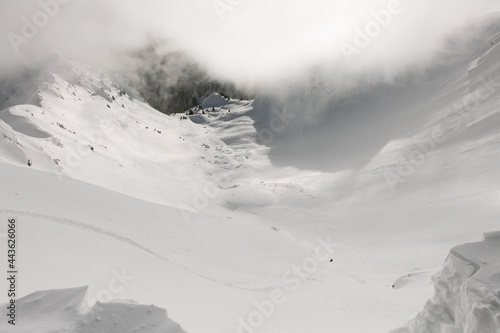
<point>91,121</point>
<point>129,206</point>
<point>242,217</point>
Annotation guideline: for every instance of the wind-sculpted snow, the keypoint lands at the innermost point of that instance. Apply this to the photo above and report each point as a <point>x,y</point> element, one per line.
<point>63,311</point>
<point>23,125</point>
<point>467,292</point>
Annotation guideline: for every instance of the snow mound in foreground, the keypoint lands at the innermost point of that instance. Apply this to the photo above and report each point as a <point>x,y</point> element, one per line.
<point>467,291</point>
<point>61,311</point>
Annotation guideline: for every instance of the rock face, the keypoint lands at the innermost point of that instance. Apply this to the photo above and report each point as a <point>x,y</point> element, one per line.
<point>467,292</point>
<point>173,82</point>
<point>62,311</point>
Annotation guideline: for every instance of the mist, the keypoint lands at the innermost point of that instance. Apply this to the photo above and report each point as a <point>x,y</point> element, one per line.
<point>248,42</point>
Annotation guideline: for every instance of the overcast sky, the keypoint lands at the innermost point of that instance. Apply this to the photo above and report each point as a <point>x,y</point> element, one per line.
<point>241,39</point>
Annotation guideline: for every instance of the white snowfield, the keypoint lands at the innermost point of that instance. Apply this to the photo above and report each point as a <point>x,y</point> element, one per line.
<point>269,216</point>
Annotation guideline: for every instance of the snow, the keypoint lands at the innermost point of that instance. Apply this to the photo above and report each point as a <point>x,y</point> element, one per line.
<point>21,124</point>
<point>467,291</point>
<point>209,221</point>
<point>62,311</point>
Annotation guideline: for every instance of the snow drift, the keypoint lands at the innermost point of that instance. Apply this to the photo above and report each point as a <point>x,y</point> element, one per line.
<point>467,292</point>
<point>62,311</point>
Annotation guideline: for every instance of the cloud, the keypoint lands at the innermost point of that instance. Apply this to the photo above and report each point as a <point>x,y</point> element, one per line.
<point>244,40</point>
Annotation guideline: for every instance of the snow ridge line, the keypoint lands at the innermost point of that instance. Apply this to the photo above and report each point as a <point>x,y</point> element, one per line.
<point>87,227</point>
<point>465,259</point>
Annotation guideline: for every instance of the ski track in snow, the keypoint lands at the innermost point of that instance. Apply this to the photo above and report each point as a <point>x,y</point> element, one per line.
<point>87,227</point>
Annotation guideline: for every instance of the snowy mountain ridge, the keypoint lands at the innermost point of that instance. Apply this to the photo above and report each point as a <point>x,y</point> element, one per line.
<point>210,221</point>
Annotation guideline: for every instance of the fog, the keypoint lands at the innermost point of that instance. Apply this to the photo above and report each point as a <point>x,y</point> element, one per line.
<point>258,41</point>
